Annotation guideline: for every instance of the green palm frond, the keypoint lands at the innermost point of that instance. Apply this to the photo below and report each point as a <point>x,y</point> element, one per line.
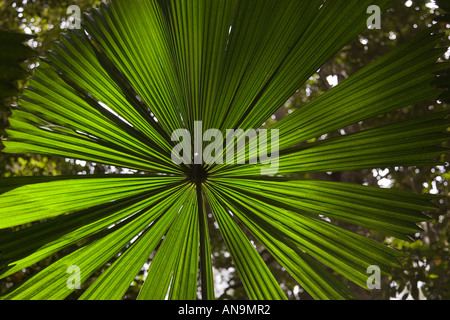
<point>115,91</point>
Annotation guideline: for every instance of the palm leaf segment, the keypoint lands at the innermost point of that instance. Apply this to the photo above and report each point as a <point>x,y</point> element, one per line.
<point>114,92</point>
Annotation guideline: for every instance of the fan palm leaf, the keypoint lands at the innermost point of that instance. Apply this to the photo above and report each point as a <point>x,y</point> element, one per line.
<point>115,91</point>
